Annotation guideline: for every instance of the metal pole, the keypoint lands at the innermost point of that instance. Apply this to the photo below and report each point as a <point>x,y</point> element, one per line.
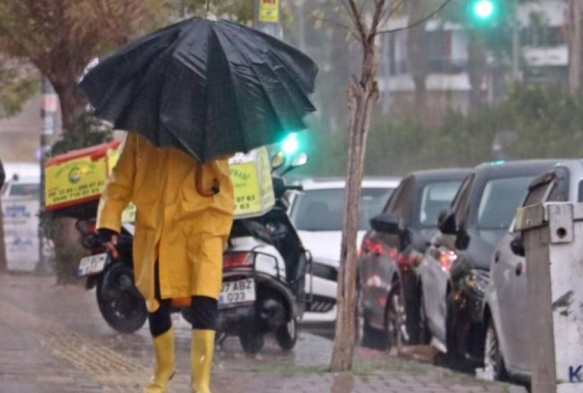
<point>515,42</point>
<point>575,44</point>
<point>48,114</point>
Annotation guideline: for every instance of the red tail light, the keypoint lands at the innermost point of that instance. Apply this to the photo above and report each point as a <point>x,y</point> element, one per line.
<point>237,259</point>
<point>370,246</point>
<point>446,259</point>
<point>91,226</point>
<point>409,259</point>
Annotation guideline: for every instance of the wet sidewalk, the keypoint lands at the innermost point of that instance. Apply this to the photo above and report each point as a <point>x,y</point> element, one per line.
<point>53,340</point>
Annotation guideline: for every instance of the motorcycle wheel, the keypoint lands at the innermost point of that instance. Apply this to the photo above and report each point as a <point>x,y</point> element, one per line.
<point>287,335</point>
<point>250,336</point>
<point>120,303</point>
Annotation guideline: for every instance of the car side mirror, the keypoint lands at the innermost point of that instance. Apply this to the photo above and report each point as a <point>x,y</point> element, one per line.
<point>446,223</point>
<point>386,223</point>
<point>517,245</point>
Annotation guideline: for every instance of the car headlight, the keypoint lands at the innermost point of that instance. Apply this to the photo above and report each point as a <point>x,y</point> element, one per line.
<point>477,280</point>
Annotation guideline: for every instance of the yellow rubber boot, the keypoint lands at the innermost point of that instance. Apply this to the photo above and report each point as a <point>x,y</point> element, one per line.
<point>201,359</point>
<point>164,349</point>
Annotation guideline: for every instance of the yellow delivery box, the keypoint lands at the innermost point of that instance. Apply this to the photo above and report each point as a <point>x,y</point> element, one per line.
<point>251,177</point>
<point>80,176</point>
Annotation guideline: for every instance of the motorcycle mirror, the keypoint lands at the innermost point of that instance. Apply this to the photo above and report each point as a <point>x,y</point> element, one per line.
<point>300,159</point>
<point>277,160</point>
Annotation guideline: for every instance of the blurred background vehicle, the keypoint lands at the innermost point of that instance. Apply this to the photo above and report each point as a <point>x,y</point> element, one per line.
<point>390,251</point>
<point>505,311</point>
<point>316,212</point>
<point>455,268</point>
<point>22,179</point>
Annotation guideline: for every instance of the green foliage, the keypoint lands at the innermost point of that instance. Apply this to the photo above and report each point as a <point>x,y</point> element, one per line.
<point>15,90</point>
<point>547,119</point>
<point>88,131</point>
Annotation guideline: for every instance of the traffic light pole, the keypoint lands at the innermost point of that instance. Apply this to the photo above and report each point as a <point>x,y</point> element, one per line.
<point>268,17</point>
<point>515,42</point>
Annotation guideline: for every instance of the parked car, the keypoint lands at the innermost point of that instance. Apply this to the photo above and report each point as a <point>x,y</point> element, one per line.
<point>22,179</point>
<point>505,311</point>
<point>390,251</point>
<point>2,175</point>
<point>454,271</point>
<point>316,212</point>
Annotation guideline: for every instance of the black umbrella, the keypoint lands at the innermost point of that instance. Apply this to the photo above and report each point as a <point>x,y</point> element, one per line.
<point>209,88</point>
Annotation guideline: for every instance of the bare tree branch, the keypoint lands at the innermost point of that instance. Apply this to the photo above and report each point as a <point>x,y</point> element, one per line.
<point>337,24</point>
<point>418,22</point>
<point>376,19</point>
<point>388,12</point>
<point>356,16</point>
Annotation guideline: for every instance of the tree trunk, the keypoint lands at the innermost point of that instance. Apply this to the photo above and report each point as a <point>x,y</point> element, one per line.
<point>3,260</point>
<point>477,69</point>
<point>361,98</point>
<point>68,250</point>
<point>72,103</point>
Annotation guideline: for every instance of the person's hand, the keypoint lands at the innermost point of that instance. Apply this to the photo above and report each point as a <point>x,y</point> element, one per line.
<point>108,239</point>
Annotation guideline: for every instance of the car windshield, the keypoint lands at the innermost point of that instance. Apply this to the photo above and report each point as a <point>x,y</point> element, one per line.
<point>24,189</point>
<point>321,210</point>
<point>435,197</point>
<point>498,204</point>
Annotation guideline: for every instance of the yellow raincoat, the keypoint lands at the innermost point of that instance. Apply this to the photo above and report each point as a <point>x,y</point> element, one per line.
<point>180,221</point>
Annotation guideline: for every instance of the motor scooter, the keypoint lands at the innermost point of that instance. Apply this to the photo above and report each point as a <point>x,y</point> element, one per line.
<point>264,274</point>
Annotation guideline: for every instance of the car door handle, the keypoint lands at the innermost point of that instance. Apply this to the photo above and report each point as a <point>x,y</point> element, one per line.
<point>519,267</point>
<point>496,256</point>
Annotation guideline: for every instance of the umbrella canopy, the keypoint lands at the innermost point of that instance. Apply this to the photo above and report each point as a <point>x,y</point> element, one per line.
<point>207,87</point>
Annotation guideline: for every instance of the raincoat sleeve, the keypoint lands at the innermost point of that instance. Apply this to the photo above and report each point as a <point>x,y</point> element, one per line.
<point>118,192</point>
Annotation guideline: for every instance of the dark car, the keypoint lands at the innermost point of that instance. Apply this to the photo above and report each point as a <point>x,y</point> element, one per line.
<point>390,252</point>
<point>455,269</point>
<point>505,313</point>
<point>2,175</point>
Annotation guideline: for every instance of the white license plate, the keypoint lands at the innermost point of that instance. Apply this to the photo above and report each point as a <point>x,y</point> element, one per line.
<point>91,265</point>
<point>234,292</point>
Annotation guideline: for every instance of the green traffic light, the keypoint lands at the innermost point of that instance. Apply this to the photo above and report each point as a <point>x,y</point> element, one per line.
<point>483,9</point>
<point>290,145</point>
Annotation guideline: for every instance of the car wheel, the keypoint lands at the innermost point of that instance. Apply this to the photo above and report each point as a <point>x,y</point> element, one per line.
<point>424,332</point>
<point>451,341</point>
<point>287,335</point>
<point>493,361</point>
<point>395,319</point>
<point>372,338</point>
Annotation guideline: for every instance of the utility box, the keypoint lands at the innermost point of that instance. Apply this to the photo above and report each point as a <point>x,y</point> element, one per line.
<point>552,234</point>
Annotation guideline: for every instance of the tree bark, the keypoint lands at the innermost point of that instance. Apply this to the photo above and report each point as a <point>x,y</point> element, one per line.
<point>361,98</point>
<point>72,103</point>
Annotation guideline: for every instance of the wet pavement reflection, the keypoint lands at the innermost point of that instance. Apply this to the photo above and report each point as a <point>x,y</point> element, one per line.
<point>54,340</point>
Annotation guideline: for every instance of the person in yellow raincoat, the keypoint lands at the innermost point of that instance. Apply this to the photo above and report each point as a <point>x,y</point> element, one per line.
<point>183,219</point>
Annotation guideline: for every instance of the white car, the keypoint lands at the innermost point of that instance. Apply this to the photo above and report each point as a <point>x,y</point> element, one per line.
<point>22,179</point>
<point>317,214</point>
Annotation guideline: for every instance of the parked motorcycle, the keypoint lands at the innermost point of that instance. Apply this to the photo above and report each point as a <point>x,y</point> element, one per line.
<point>112,275</point>
<point>264,266</point>
<point>264,270</point>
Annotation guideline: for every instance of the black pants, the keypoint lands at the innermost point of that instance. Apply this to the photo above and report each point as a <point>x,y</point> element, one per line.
<point>204,312</point>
